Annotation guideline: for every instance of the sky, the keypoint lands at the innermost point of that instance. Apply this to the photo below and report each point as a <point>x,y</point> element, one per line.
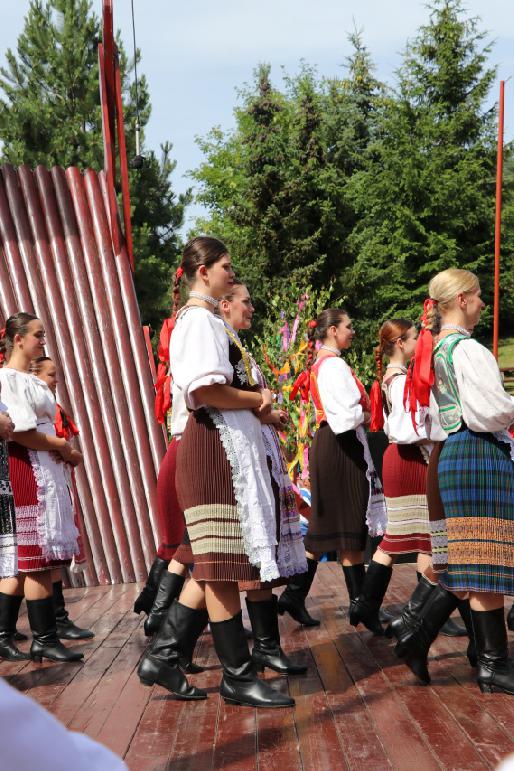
<point>196,54</point>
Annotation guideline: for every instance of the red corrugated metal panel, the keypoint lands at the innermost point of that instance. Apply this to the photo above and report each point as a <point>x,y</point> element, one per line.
<point>57,260</point>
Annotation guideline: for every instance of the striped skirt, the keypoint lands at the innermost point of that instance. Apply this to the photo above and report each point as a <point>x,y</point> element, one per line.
<point>206,495</point>
<point>476,481</point>
<point>404,474</point>
<point>23,483</point>
<point>340,492</point>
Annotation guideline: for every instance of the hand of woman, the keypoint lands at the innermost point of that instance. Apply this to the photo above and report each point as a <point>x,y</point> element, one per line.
<point>77,458</point>
<point>267,402</point>
<point>66,452</point>
<point>6,427</point>
<point>277,418</point>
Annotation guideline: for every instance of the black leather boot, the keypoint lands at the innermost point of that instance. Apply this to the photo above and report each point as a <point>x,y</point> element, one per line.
<point>364,608</point>
<point>435,612</point>
<point>292,600</point>
<point>406,623</point>
<point>465,614</point>
<point>19,636</point>
<point>45,643</point>
<point>9,608</point>
<point>354,576</point>
<point>169,589</point>
<point>266,649</point>
<point>240,684</point>
<point>189,633</point>
<point>161,663</point>
<point>66,629</point>
<point>495,669</point>
<point>453,629</point>
<point>510,618</point>
<point>145,600</point>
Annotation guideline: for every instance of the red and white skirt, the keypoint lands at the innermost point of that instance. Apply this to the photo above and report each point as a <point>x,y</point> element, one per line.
<point>404,475</point>
<point>24,487</point>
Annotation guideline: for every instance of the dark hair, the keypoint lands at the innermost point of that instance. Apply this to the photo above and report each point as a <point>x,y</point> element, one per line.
<point>318,328</point>
<point>388,334</point>
<point>202,250</point>
<point>236,285</point>
<point>15,325</point>
<point>36,364</point>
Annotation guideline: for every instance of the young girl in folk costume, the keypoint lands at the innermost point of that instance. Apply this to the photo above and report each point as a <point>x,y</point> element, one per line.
<point>47,536</point>
<point>346,492</point>
<point>44,368</point>
<point>223,487</point>
<point>475,475</point>
<point>9,606</point>
<point>237,310</point>
<point>404,477</point>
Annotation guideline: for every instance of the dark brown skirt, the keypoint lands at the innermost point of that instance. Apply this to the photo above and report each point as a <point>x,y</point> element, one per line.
<point>340,492</point>
<point>206,495</point>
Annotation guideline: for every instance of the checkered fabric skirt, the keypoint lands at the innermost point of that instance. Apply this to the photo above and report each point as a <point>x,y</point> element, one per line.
<point>476,480</point>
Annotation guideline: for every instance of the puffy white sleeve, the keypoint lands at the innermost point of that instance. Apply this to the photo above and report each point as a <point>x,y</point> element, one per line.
<point>17,397</point>
<point>199,354</point>
<point>486,406</point>
<point>339,395</point>
<point>398,425</point>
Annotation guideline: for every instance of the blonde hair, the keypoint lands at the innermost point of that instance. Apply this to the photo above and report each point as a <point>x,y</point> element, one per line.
<point>443,289</point>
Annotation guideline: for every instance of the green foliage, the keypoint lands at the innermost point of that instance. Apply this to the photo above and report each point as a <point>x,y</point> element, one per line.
<point>50,114</point>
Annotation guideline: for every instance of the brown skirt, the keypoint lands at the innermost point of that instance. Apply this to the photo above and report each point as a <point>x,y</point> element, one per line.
<point>206,495</point>
<point>340,492</point>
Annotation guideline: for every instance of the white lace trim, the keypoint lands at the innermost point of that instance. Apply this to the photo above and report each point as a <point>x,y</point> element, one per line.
<point>56,531</point>
<point>376,513</point>
<point>504,436</point>
<point>241,437</point>
<point>8,556</point>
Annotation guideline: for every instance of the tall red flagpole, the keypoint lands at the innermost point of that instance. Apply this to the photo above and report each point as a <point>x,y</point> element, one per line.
<point>498,222</point>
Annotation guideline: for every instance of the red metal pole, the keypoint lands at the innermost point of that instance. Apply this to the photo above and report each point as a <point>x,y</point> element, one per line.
<point>498,221</point>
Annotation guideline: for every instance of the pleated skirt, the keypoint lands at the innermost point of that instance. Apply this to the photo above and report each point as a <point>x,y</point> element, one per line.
<point>24,488</point>
<point>476,482</point>
<point>339,492</point>
<point>404,475</point>
<point>170,517</point>
<point>206,495</point>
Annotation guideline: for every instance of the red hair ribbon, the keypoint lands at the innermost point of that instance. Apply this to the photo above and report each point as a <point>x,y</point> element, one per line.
<point>312,324</point>
<point>179,273</point>
<point>420,377</point>
<point>163,383</point>
<point>377,407</point>
<point>2,335</point>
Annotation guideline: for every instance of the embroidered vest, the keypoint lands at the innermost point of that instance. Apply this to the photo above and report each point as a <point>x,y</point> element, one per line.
<point>445,386</point>
<point>316,399</point>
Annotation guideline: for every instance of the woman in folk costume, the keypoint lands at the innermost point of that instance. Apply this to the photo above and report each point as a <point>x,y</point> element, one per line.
<point>346,492</point>
<point>404,477</point>
<point>47,536</point>
<point>44,368</point>
<point>475,476</point>
<point>237,310</point>
<point>223,486</point>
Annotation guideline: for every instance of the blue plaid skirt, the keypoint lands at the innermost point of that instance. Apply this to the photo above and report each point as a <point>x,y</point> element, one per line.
<point>476,481</point>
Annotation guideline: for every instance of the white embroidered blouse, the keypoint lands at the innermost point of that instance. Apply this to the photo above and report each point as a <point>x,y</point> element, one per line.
<point>30,401</point>
<point>398,425</point>
<point>339,395</point>
<point>486,406</point>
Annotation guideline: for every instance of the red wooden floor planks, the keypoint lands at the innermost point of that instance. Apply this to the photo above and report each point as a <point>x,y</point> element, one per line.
<point>358,706</point>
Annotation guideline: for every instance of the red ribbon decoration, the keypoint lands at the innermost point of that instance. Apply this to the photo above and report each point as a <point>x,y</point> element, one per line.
<point>420,376</point>
<point>2,335</point>
<point>302,385</point>
<point>377,407</point>
<point>163,383</point>
<point>65,428</point>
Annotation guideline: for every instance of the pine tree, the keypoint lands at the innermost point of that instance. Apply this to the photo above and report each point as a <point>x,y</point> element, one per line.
<point>426,199</point>
<point>50,113</point>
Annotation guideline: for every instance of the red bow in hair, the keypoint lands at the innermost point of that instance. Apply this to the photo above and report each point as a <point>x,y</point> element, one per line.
<point>2,335</point>
<point>377,407</point>
<point>163,382</point>
<point>420,377</point>
<point>179,273</point>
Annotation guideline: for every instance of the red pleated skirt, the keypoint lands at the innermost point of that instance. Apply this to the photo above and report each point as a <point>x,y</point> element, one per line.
<point>405,488</point>
<point>170,521</point>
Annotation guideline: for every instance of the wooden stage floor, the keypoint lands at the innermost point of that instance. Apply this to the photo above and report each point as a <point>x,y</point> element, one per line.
<point>356,708</point>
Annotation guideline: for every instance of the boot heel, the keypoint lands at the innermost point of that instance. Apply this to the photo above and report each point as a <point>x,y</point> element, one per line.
<point>146,681</point>
<point>37,658</point>
<point>388,632</point>
<point>485,688</point>
<point>281,611</point>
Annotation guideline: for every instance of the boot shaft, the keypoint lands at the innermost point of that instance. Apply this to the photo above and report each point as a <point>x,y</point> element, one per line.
<point>354,578</point>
